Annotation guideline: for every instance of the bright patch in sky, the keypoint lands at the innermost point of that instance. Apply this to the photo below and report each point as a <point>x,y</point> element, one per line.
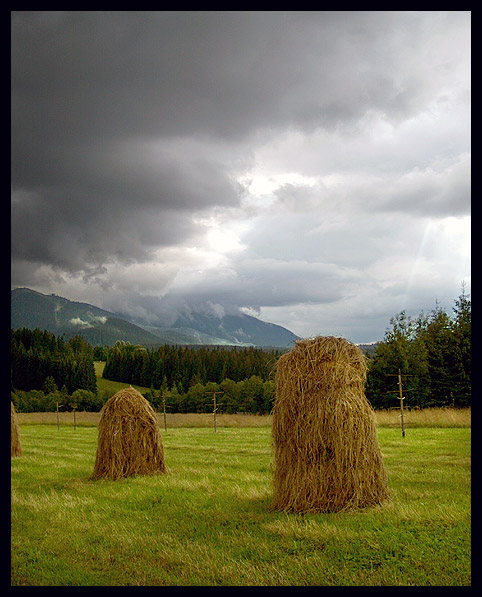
<point>224,241</point>
<point>267,184</point>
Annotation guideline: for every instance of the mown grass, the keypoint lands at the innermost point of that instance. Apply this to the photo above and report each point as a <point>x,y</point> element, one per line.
<point>111,387</point>
<point>431,417</point>
<point>208,522</point>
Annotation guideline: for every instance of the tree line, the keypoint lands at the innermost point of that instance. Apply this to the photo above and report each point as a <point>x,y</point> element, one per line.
<point>251,395</point>
<point>184,367</point>
<point>433,354</point>
<point>40,360</point>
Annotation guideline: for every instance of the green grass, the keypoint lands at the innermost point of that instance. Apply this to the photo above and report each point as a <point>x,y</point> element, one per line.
<point>111,387</point>
<point>209,521</point>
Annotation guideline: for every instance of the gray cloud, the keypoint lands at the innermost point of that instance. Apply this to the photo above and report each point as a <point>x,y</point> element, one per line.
<point>131,132</point>
<point>271,282</point>
<point>227,73</point>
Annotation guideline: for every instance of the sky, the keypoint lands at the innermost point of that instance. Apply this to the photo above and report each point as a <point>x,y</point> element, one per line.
<point>309,168</point>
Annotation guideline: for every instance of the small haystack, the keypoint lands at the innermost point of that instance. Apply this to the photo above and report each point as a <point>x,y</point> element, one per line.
<point>325,448</point>
<point>129,438</point>
<point>16,446</point>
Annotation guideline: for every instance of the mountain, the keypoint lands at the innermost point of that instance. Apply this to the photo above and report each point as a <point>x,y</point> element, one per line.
<point>58,315</point>
<point>31,309</point>
<point>370,348</point>
<point>236,329</point>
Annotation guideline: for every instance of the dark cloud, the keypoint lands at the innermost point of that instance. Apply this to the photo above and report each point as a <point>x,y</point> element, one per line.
<point>131,129</point>
<point>96,73</point>
<point>94,77</point>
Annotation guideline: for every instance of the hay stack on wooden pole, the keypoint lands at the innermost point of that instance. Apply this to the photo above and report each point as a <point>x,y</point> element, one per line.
<point>129,438</point>
<point>325,450</point>
<point>16,446</point>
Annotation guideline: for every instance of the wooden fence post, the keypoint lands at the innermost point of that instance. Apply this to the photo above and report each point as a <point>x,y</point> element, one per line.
<point>164,410</point>
<point>215,408</point>
<point>401,401</point>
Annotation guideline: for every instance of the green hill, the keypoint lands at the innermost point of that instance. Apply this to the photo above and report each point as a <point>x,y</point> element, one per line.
<point>30,309</point>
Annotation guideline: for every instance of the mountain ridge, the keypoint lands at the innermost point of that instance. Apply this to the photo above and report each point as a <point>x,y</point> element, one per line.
<point>58,315</point>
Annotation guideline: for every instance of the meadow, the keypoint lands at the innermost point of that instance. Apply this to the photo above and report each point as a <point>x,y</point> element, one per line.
<point>429,417</point>
<point>209,522</point>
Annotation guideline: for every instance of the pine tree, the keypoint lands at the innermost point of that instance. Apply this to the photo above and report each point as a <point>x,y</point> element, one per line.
<point>462,336</point>
<point>443,358</point>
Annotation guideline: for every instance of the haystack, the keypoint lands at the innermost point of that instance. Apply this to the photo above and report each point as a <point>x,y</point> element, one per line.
<point>129,438</point>
<point>16,446</point>
<point>326,455</point>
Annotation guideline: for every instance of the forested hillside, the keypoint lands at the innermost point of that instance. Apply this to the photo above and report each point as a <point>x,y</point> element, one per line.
<point>183,366</point>
<point>433,354</point>
<point>39,358</point>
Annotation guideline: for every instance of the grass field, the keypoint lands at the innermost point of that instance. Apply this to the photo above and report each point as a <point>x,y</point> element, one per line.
<point>112,387</point>
<point>430,417</point>
<point>208,522</point>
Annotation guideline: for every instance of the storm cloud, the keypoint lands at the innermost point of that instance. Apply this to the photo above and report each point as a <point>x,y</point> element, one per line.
<point>311,166</point>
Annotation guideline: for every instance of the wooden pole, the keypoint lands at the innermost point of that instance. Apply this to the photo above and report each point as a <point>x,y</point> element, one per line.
<point>74,420</point>
<point>57,414</point>
<point>400,390</point>
<point>164,410</point>
<point>215,409</point>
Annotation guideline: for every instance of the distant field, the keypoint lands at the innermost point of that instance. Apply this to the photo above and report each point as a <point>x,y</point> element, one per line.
<point>209,523</point>
<point>427,417</point>
<point>86,419</point>
<point>434,417</point>
<point>106,385</point>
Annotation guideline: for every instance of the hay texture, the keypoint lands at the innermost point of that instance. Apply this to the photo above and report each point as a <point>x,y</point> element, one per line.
<point>16,446</point>
<point>326,455</point>
<point>129,438</point>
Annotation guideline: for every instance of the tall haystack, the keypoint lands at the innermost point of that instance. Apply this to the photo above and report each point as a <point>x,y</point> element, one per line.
<point>129,438</point>
<point>325,448</point>
<point>16,446</point>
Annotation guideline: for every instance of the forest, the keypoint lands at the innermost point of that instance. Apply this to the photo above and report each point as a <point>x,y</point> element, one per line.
<point>431,352</point>
<point>186,366</point>
<point>45,367</point>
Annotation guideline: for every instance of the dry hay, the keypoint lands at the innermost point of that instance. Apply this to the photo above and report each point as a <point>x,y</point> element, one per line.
<point>16,446</point>
<point>129,438</point>
<point>325,448</point>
